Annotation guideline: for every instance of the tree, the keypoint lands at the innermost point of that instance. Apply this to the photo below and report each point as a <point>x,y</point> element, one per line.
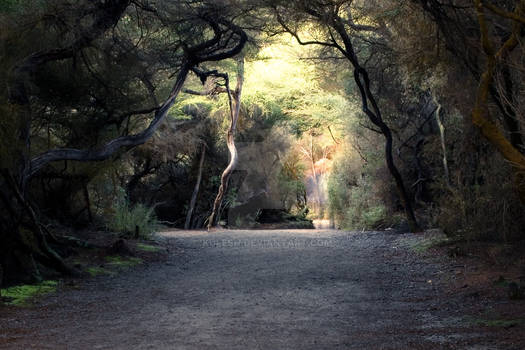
<point>335,26</point>
<point>234,100</point>
<point>125,49</point>
<point>193,200</point>
<point>494,57</point>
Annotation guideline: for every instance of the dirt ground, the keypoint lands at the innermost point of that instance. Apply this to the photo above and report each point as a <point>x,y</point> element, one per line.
<point>293,289</point>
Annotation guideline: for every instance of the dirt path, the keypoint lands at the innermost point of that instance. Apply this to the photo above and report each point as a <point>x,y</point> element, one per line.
<point>309,289</point>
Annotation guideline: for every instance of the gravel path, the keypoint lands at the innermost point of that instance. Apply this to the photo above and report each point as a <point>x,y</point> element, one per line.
<point>295,289</point>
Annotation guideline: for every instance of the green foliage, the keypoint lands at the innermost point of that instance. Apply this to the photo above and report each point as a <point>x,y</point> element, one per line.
<point>483,211</point>
<point>373,216</point>
<point>9,5</point>
<point>290,183</point>
<point>355,195</point>
<point>21,295</point>
<point>127,218</point>
<point>289,89</point>
<point>230,199</point>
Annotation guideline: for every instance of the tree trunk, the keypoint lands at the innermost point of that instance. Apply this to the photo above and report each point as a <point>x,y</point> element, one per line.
<point>442,138</point>
<point>363,83</point>
<point>235,107</point>
<point>480,113</point>
<point>367,98</point>
<point>317,195</point>
<point>25,241</point>
<point>195,190</point>
<point>88,202</point>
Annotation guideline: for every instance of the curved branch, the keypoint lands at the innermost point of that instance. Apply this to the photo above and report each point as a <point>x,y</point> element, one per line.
<point>104,152</point>
<point>112,146</point>
<point>243,38</point>
<point>502,13</point>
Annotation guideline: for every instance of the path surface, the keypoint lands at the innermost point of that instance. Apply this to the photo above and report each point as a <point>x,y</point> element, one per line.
<point>309,289</point>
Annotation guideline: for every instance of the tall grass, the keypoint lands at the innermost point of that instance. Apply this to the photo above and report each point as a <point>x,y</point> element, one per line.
<point>134,221</point>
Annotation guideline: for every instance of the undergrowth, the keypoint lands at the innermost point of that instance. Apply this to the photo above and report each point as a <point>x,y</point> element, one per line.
<point>22,294</point>
<point>134,221</point>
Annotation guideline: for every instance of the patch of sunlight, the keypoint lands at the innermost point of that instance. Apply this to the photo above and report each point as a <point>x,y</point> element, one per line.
<point>20,295</point>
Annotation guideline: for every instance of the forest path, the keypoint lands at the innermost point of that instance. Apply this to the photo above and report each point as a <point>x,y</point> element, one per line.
<point>294,289</point>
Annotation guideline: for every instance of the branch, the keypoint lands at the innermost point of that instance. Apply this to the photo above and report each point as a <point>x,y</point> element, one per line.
<point>418,130</point>
<point>359,27</point>
<point>502,13</point>
<point>104,152</point>
<point>243,38</point>
<point>296,36</point>
<point>112,146</point>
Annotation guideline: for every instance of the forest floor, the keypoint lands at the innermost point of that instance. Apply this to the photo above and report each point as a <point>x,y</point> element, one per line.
<point>293,289</point>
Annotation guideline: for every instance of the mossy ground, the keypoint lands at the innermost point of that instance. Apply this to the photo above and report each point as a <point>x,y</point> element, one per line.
<point>93,258</point>
<point>147,248</point>
<point>96,271</point>
<point>22,295</point>
<point>426,244</point>
<point>122,262</point>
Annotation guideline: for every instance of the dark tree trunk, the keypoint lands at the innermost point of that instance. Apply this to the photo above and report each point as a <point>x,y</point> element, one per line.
<point>367,98</point>
<point>362,81</point>
<point>193,200</point>
<point>88,203</point>
<point>24,241</point>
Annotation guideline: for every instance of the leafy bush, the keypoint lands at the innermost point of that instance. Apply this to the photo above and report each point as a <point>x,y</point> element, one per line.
<point>491,211</point>
<point>374,216</point>
<point>290,183</point>
<point>356,196</point>
<point>128,219</point>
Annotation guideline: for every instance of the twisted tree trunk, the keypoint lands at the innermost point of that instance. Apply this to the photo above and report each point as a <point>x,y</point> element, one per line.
<point>481,114</point>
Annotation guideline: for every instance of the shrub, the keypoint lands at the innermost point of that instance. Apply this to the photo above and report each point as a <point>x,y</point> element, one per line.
<point>491,211</point>
<point>356,195</point>
<point>374,216</point>
<point>132,219</point>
